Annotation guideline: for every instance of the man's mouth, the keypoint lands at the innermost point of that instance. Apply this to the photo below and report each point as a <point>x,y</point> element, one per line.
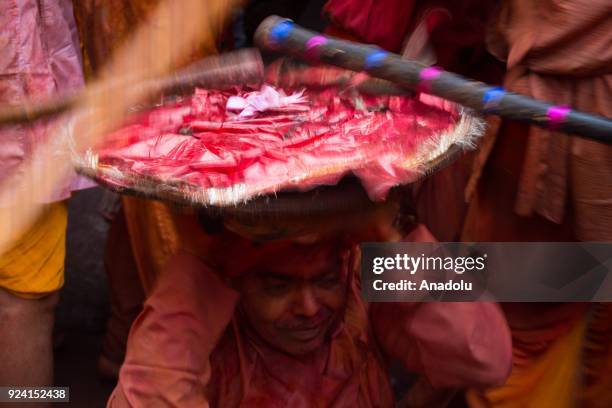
<point>306,334</point>
<point>307,331</point>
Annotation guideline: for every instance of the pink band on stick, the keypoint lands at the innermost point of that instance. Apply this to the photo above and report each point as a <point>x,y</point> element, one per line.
<point>426,76</point>
<point>312,46</point>
<point>556,116</point>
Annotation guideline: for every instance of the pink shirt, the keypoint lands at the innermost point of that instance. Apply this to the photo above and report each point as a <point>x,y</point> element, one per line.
<point>188,348</point>
<point>40,58</point>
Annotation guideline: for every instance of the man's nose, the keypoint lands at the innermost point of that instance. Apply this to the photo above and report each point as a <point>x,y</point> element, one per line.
<point>305,303</point>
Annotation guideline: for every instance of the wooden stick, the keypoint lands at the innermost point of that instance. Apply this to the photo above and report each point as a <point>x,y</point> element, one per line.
<point>283,35</point>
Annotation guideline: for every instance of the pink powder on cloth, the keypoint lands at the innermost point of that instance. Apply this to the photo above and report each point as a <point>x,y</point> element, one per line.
<point>325,135</point>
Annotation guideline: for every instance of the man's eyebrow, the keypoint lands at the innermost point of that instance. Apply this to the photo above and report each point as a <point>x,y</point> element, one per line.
<point>331,269</point>
<point>276,276</point>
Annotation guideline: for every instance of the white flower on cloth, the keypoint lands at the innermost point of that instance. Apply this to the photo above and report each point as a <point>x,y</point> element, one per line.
<point>268,98</point>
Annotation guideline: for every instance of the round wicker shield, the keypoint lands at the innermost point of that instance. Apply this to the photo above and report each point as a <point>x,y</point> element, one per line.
<point>256,149</point>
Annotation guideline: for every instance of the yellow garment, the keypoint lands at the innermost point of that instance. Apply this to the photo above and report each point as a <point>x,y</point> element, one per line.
<point>34,266</point>
<point>548,381</point>
<point>574,370</point>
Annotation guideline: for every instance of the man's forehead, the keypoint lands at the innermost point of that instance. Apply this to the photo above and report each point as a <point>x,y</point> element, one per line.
<point>300,262</point>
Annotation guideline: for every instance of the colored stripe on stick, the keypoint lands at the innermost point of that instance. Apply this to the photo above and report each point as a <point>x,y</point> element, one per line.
<point>312,47</point>
<point>492,97</point>
<point>375,59</point>
<point>557,115</point>
<point>426,77</point>
<point>280,32</point>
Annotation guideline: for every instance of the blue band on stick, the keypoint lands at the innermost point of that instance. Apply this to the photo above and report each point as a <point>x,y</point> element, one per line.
<point>280,32</point>
<point>375,59</point>
<point>492,97</point>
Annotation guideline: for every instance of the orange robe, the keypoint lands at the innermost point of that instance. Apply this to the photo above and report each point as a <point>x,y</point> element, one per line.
<point>533,184</point>
<point>154,228</point>
<point>557,51</point>
<point>147,232</point>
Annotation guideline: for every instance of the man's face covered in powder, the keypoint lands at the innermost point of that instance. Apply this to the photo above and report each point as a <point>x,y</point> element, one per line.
<point>294,299</point>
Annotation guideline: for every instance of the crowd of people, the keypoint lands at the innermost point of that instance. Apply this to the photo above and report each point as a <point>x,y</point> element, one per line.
<point>226,319</point>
